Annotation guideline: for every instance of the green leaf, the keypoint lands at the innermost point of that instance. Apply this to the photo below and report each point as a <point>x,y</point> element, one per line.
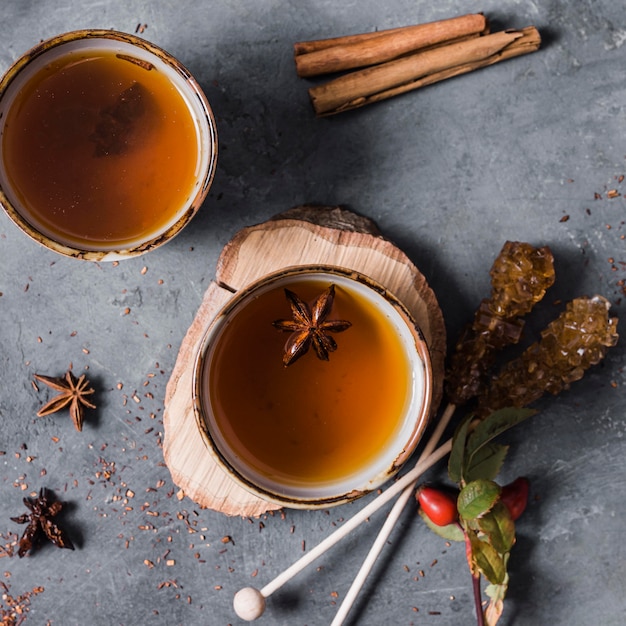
<point>451,532</point>
<point>499,528</point>
<point>488,561</point>
<point>477,497</point>
<point>492,426</point>
<point>457,453</point>
<point>486,462</point>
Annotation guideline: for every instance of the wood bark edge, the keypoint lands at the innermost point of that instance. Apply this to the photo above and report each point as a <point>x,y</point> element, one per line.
<point>191,465</point>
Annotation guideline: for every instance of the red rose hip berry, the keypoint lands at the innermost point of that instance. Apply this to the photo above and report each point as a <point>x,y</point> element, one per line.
<point>515,496</point>
<point>438,505</point>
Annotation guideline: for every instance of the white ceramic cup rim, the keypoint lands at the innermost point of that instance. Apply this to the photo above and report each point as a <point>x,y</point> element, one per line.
<point>27,65</point>
<point>391,458</point>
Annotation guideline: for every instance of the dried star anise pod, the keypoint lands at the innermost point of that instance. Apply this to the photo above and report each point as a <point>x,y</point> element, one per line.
<point>39,520</point>
<point>72,391</point>
<point>309,326</point>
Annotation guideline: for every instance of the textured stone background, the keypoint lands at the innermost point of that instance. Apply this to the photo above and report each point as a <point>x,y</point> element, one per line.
<point>525,150</point>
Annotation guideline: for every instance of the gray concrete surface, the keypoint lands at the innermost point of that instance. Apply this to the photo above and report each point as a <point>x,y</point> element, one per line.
<point>525,150</point>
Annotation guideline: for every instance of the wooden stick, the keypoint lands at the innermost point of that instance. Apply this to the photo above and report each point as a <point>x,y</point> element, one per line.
<point>390,522</point>
<point>346,53</point>
<point>420,69</point>
<point>408,479</point>
<point>249,603</point>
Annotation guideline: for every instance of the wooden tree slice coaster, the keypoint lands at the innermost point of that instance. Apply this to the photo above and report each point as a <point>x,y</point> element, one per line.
<point>305,235</point>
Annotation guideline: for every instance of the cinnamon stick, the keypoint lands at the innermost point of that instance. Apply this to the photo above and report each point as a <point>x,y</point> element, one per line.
<point>304,47</point>
<point>326,56</point>
<point>423,68</point>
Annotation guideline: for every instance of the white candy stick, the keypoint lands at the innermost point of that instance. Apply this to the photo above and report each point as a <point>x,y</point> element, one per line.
<point>249,603</point>
<point>408,479</point>
<point>390,522</point>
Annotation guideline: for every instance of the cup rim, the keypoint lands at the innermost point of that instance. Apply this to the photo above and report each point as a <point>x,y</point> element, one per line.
<point>419,423</point>
<point>207,122</point>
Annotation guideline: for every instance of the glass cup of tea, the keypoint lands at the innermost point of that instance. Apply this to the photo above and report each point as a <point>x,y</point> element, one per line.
<point>313,433</point>
<point>108,145</point>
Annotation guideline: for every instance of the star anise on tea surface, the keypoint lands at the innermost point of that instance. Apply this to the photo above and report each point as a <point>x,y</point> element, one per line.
<point>115,129</point>
<point>309,326</point>
<point>39,519</point>
<point>72,392</point>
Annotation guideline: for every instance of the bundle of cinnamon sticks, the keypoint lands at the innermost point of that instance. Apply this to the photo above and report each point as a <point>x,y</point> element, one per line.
<point>383,64</point>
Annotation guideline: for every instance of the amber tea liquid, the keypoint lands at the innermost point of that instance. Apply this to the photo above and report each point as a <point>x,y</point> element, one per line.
<point>313,421</point>
<point>100,150</point>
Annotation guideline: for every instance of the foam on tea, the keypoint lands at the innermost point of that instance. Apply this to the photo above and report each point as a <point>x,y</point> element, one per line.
<point>314,422</point>
<point>101,149</point>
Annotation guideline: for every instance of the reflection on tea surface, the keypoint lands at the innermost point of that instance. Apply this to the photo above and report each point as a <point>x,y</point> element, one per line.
<point>100,149</point>
<point>313,421</point>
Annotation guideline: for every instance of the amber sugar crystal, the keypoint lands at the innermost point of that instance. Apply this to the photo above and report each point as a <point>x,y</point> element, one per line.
<point>100,150</point>
<point>571,344</point>
<point>520,276</point>
<point>314,420</point>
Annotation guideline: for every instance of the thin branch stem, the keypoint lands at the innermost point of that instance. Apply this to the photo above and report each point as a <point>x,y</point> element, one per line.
<point>480,616</point>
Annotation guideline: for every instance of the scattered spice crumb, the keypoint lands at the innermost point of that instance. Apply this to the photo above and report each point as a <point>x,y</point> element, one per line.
<point>16,606</point>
